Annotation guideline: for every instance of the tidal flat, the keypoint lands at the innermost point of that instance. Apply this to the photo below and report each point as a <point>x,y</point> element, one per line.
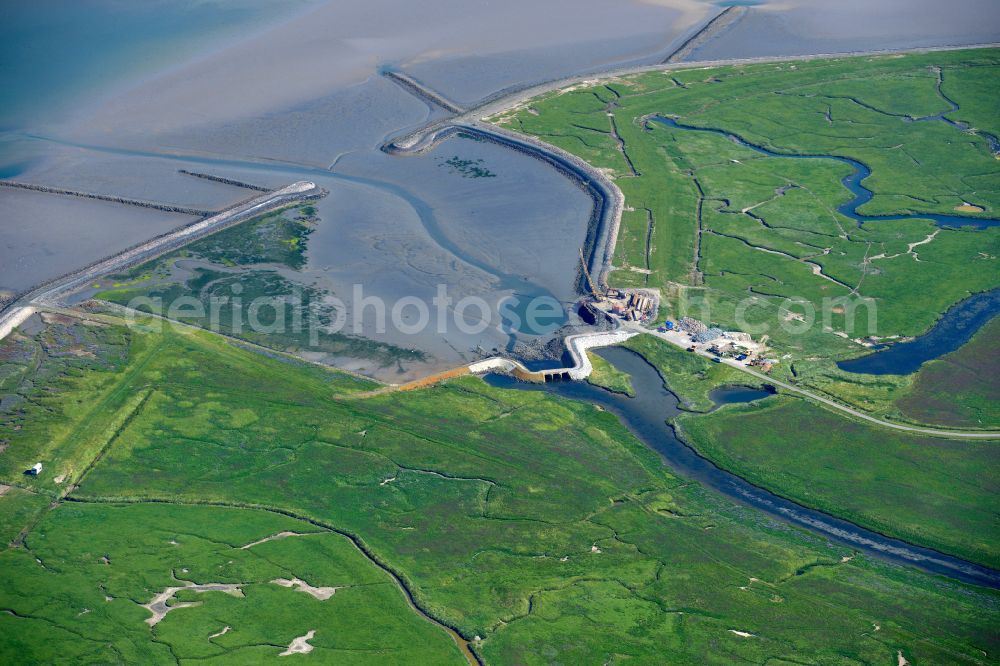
<point>325,112</point>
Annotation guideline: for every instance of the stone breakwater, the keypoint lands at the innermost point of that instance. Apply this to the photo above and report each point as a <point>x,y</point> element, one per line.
<point>224,181</point>
<point>51,292</point>
<point>170,208</point>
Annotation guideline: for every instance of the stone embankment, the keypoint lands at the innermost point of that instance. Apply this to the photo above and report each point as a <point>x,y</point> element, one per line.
<point>11,319</point>
<point>609,200</point>
<point>170,208</point>
<point>224,181</point>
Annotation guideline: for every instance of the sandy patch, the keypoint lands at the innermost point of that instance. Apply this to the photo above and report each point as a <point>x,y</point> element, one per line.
<point>3,489</point>
<point>930,237</point>
<point>300,645</point>
<point>159,608</point>
<point>966,207</point>
<point>321,593</point>
<point>900,659</point>
<point>225,630</point>
<point>273,537</point>
<point>742,634</point>
<point>60,478</point>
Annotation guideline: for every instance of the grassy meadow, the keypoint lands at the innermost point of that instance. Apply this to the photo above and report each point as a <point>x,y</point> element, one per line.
<point>959,389</point>
<point>540,530</point>
<point>935,492</point>
<point>77,585</point>
<point>609,377</point>
<point>537,524</point>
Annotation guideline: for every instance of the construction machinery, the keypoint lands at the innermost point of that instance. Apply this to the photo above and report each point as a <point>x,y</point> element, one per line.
<point>598,296</point>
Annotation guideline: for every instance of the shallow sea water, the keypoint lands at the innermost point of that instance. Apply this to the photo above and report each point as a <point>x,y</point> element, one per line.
<point>271,96</point>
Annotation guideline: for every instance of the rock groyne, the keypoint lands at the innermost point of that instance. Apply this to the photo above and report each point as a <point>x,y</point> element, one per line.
<point>170,208</point>
<point>418,89</point>
<point>224,181</point>
<point>724,19</point>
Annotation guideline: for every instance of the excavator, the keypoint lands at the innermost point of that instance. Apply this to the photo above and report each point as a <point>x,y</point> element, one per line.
<point>598,296</point>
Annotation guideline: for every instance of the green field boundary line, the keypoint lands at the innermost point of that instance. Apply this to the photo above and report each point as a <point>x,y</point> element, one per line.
<point>464,645</point>
<point>117,427</point>
<point>18,541</point>
<point>828,402</point>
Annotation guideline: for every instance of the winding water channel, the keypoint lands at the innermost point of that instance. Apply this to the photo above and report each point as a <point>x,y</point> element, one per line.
<point>852,182</point>
<point>645,415</point>
<point>958,324</point>
<point>954,329</point>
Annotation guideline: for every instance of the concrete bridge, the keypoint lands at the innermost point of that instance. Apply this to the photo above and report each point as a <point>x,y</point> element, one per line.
<point>577,345</point>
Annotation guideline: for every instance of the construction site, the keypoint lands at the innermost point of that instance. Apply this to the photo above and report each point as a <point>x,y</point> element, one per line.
<point>615,305</point>
<point>736,347</point>
<point>633,307</point>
